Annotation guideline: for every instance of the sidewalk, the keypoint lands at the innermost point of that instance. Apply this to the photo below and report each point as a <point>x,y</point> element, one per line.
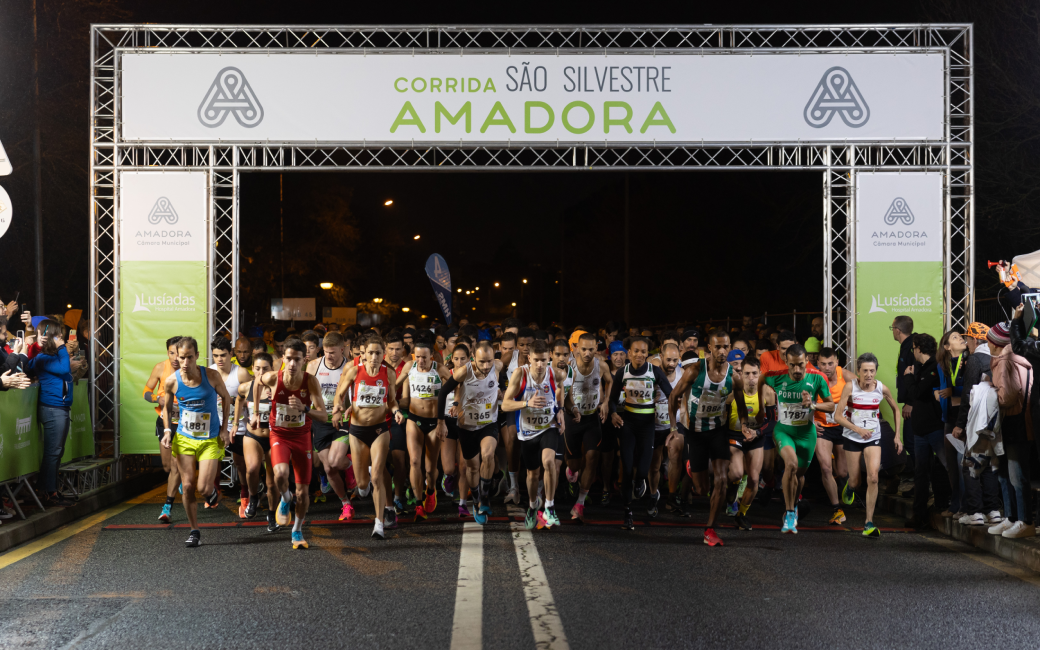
<point>1024,552</point>
<point>16,531</point>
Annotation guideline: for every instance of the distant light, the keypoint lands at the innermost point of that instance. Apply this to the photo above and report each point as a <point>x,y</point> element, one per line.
<point>459,290</point>
<point>557,282</point>
<point>377,300</point>
<point>388,202</point>
<point>423,316</point>
<point>467,293</point>
<point>474,309</point>
<point>496,284</point>
<point>476,288</point>
<point>416,237</point>
<point>514,304</point>
<point>405,309</point>
<point>525,280</point>
<point>325,285</point>
<point>69,306</point>
<point>478,298</point>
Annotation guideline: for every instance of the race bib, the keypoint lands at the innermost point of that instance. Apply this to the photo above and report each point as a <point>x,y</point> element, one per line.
<point>329,397</point>
<point>447,403</point>
<point>421,387</point>
<point>639,391</point>
<point>866,419</point>
<point>175,413</point>
<point>587,403</point>
<point>709,405</point>
<point>794,415</point>
<point>263,415</point>
<point>286,417</point>
<point>661,415</point>
<point>195,424</point>
<point>370,396</point>
<point>537,420</point>
<point>479,414</point>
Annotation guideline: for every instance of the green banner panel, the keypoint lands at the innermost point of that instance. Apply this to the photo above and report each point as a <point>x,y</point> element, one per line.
<point>158,300</point>
<point>885,290</point>
<point>21,448</point>
<point>80,443</point>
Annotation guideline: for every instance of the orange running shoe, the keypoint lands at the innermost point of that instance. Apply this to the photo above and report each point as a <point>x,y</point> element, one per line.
<point>430,502</point>
<point>242,505</point>
<point>420,512</point>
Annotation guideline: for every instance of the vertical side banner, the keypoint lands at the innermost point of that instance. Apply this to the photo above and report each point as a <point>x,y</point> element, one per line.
<point>163,240</point>
<point>899,262</point>
<point>440,279</point>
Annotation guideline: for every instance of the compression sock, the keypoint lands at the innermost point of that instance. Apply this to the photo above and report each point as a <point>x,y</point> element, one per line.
<point>297,525</point>
<point>485,490</point>
<point>287,496</point>
<point>512,480</point>
<point>581,497</point>
<point>170,500</point>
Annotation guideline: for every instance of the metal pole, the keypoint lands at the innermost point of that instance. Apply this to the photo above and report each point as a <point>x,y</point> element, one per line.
<point>626,250</point>
<point>38,307</point>
<point>281,233</point>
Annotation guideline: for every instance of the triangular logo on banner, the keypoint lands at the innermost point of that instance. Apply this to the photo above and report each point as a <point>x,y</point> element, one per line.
<point>162,211</point>
<point>230,93</point>
<point>5,163</point>
<point>836,93</point>
<point>899,211</point>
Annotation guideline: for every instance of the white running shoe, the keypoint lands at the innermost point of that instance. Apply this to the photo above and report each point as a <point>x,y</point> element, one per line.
<point>994,517</point>
<point>377,532</point>
<point>512,495</point>
<point>1020,529</point>
<point>977,519</point>
<point>1000,528</point>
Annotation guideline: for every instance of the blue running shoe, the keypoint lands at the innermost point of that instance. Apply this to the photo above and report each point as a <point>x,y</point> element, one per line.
<point>180,489</point>
<point>283,515</point>
<point>486,509</point>
<point>732,509</point>
<point>166,511</point>
<point>325,487</point>
<point>790,523</point>
<point>480,516</point>
<point>298,541</point>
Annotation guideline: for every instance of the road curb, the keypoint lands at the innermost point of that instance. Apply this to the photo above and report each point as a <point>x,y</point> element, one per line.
<point>16,531</point>
<point>1024,552</point>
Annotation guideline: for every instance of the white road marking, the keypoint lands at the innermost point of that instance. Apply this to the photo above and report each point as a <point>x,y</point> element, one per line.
<point>541,608</point>
<point>466,628</point>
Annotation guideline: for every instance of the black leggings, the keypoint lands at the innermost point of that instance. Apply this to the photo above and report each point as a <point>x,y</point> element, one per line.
<point>637,450</point>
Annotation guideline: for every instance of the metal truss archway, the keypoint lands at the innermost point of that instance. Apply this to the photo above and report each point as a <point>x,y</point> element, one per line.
<point>838,162</point>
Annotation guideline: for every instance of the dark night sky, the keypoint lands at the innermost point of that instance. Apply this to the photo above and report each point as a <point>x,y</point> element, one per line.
<point>721,232</point>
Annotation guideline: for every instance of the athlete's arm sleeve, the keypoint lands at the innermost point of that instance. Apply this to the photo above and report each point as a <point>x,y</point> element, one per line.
<point>662,380</point>
<point>442,400</point>
<point>615,389</point>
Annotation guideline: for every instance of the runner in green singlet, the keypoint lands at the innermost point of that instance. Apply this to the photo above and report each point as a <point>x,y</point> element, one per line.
<point>795,432</point>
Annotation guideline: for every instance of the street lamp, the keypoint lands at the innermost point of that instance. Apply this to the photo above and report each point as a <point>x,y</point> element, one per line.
<point>496,285</point>
<point>388,202</point>
<point>476,288</point>
<point>416,237</point>
<point>525,280</point>
<point>514,304</point>
<point>459,290</point>
<point>325,285</point>
<point>406,309</point>
<point>377,300</point>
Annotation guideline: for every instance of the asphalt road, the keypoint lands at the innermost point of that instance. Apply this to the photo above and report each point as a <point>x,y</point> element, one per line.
<point>111,585</point>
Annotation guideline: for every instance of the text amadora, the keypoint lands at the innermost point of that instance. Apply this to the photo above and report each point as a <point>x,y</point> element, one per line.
<point>899,238</point>
<point>164,302</point>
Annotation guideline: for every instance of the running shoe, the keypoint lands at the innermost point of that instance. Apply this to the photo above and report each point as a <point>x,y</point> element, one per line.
<point>870,530</point>
<point>283,515</point>
<point>430,502</point>
<point>578,513</point>
<point>164,516</point>
<point>838,518</point>
<point>531,519</point>
<point>420,512</point>
<point>325,487</point>
<point>653,510</point>
<point>604,499</point>
<point>347,513</point>
<point>194,539</point>
<point>480,516</point>
<point>409,497</point>
<point>272,523</point>
<point>742,522</point>
<point>542,520</point>
<point>572,488</point>
<point>732,509</point>
<point>485,509</point>
<point>711,539</point>
<point>848,495</point>
<point>243,505</point>
<point>298,541</point>
<point>377,531</point>
<point>463,511</point>
<point>448,484</point>
<point>180,489</point>
<point>251,507</point>
<point>389,519</point>
<point>213,500</point>
<point>550,517</point>
<point>790,523</point>
<point>399,506</point>
<point>629,523</point>
<point>639,488</point>
<point>319,497</point>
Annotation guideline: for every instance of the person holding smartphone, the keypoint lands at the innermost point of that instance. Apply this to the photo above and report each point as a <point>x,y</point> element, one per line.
<point>52,367</point>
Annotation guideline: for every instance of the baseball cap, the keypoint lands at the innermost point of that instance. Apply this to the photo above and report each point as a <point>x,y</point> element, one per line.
<point>977,331</point>
<point>735,355</point>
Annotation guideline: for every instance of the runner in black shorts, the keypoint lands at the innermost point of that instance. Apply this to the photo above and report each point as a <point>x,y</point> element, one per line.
<point>330,440</point>
<point>746,442</point>
<point>584,437</point>
<point>421,388</point>
<point>256,444</point>
<point>450,444</point>
<point>610,432</point>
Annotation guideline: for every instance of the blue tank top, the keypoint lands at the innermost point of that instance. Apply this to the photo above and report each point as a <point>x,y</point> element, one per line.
<point>199,418</point>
